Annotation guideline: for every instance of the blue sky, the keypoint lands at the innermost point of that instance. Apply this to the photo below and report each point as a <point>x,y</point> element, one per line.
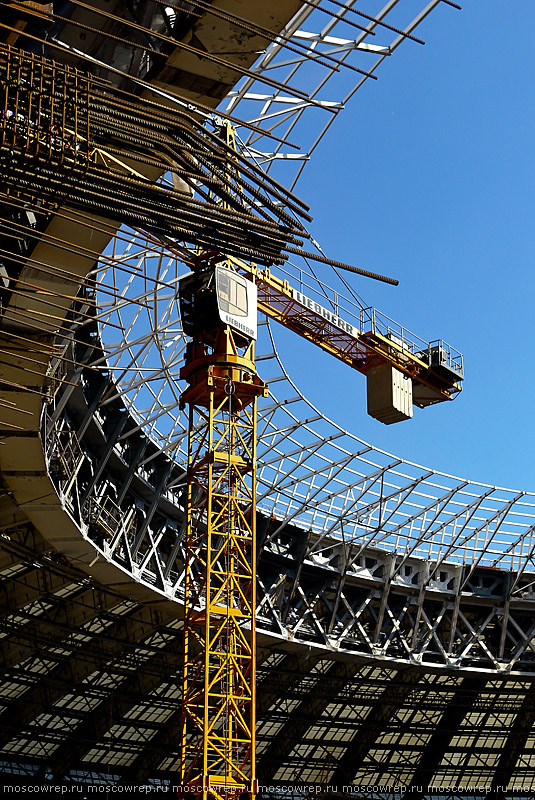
<point>428,176</point>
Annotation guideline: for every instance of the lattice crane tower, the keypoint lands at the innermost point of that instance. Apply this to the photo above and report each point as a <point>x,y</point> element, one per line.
<point>219,304</point>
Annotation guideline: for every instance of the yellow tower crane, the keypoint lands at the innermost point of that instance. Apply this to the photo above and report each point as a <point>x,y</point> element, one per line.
<point>218,719</point>
<point>219,302</point>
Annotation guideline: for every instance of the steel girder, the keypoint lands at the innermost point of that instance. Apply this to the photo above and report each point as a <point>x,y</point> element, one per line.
<point>340,595</point>
<point>110,703</point>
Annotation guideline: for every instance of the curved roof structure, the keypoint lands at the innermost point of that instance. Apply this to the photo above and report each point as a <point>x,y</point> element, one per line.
<point>395,609</point>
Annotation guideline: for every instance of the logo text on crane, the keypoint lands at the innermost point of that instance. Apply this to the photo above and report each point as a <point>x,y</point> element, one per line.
<point>330,316</point>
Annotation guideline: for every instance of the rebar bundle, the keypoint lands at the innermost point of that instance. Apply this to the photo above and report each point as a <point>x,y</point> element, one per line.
<point>70,139</point>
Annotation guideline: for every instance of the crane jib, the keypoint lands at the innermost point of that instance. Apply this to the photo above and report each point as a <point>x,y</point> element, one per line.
<point>330,316</point>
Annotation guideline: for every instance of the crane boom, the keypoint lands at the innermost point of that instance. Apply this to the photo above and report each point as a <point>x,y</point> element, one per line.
<point>436,376</point>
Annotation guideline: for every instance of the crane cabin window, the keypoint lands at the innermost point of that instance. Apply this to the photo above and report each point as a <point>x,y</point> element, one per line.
<point>236,301</point>
<point>232,292</point>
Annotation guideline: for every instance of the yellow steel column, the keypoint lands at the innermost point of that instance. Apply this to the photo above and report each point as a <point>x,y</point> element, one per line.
<point>218,714</point>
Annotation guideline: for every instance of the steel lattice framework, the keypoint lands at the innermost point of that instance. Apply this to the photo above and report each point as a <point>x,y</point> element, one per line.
<point>312,472</point>
<point>356,35</point>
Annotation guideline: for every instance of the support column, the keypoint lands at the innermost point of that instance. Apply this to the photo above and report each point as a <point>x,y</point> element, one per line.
<point>218,717</point>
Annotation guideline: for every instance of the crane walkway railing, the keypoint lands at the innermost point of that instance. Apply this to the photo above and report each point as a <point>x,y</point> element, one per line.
<point>361,320</point>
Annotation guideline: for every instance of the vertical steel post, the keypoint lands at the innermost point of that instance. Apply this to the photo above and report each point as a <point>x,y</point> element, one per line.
<point>218,712</point>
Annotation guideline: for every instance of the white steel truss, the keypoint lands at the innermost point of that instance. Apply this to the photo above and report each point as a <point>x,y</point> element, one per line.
<point>356,38</point>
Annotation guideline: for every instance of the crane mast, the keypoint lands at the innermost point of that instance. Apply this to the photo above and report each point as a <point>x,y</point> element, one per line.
<point>218,701</point>
<point>219,311</point>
